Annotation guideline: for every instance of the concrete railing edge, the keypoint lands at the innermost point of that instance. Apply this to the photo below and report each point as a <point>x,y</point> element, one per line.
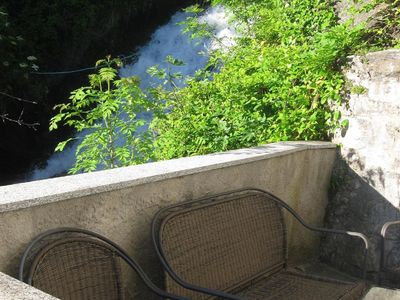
<point>11,288</point>
<point>24,195</point>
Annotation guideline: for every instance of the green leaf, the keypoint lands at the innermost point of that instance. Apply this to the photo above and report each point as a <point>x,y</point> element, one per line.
<point>174,61</point>
<point>61,145</point>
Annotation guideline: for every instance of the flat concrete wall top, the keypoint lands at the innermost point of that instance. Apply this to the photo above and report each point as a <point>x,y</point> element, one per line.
<point>12,289</point>
<point>120,203</point>
<point>40,192</point>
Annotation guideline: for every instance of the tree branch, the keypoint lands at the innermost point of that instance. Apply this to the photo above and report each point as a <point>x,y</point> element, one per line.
<point>18,98</point>
<point>19,121</point>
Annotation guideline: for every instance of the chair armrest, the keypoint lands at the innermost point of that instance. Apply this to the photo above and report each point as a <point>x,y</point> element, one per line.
<point>342,232</point>
<point>386,226</point>
<point>382,261</point>
<point>324,230</point>
<point>351,234</point>
<point>355,234</point>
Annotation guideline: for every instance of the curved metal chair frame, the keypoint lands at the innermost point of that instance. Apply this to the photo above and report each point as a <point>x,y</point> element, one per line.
<point>108,243</point>
<point>160,252</point>
<point>383,238</point>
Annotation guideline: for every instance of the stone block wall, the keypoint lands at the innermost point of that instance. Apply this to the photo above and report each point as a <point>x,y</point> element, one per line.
<point>366,179</point>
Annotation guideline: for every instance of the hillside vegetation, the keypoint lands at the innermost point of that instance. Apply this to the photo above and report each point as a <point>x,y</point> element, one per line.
<point>281,81</point>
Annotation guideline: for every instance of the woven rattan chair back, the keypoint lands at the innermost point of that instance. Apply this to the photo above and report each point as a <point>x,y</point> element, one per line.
<point>75,263</point>
<point>204,243</point>
<point>77,268</point>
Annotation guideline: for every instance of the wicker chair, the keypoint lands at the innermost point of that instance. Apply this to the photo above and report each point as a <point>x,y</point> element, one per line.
<point>72,263</point>
<point>233,246</point>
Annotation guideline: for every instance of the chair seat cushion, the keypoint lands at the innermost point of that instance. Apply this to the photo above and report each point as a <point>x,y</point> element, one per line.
<point>291,284</point>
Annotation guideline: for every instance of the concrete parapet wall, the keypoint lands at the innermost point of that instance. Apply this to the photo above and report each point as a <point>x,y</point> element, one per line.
<point>120,203</point>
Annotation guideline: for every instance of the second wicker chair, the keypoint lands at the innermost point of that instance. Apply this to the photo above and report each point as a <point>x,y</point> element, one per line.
<point>234,246</point>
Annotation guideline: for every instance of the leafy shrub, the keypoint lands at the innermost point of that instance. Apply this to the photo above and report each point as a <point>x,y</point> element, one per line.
<point>385,33</point>
<point>107,113</point>
<point>277,84</point>
<point>280,82</point>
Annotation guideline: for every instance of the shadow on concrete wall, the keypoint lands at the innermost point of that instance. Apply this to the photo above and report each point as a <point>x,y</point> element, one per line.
<point>355,205</point>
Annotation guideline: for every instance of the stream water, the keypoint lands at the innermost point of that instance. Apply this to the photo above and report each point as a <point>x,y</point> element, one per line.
<point>166,40</point>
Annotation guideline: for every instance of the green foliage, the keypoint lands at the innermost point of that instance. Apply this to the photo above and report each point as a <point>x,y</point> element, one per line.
<point>386,32</point>
<point>52,26</point>
<point>358,89</point>
<point>192,26</point>
<point>277,84</point>
<point>106,113</point>
<point>12,62</point>
<point>15,65</point>
<point>280,82</point>
<point>383,31</point>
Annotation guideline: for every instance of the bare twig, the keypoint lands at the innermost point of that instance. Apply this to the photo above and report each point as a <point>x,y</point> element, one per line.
<point>19,121</point>
<point>18,98</point>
